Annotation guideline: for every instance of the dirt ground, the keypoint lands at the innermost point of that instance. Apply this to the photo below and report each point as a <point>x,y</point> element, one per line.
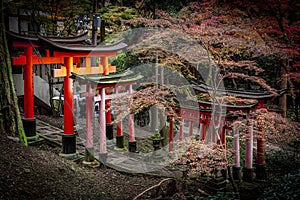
<point>40,173</point>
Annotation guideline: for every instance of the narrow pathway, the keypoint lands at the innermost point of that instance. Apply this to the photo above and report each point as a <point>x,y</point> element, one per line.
<point>153,163</point>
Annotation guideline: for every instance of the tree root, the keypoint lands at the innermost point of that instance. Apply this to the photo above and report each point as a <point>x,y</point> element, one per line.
<point>158,187</point>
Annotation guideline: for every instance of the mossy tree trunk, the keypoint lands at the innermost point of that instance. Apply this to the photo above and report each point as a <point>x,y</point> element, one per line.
<point>10,119</point>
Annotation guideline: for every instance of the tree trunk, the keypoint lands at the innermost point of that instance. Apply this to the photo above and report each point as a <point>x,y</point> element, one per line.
<point>10,119</point>
<point>283,98</point>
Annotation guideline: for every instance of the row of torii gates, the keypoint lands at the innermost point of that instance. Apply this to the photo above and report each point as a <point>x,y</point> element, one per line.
<point>76,60</point>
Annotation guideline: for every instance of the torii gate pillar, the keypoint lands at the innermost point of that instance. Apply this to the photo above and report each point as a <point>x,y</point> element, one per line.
<point>261,171</point>
<point>68,138</point>
<point>29,121</point>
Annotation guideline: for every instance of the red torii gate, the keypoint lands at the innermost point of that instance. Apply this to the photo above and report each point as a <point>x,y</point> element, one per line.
<point>200,112</point>
<point>110,86</point>
<point>28,60</point>
<point>68,52</point>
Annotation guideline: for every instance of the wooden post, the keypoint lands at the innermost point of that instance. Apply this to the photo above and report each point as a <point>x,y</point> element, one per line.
<point>191,129</point>
<point>119,137</point>
<point>200,124</point>
<point>28,86</point>
<point>68,98</point>
<point>237,157</point>
<point>213,129</point>
<point>223,134</point>
<point>131,128</point>
<point>236,146</point>
<point>171,134</point>
<point>248,170</point>
<point>119,129</point>
<point>68,138</point>
<point>181,130</point>
<point>109,125</point>
<point>200,131</point>
<point>29,121</point>
<point>104,63</point>
<point>261,162</point>
<point>89,117</point>
<point>132,143</point>
<point>89,144</point>
<point>102,116</point>
<point>204,127</point>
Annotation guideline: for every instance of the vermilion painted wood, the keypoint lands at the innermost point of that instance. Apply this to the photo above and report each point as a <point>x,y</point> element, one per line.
<point>77,61</point>
<point>204,127</point>
<point>261,145</point>
<point>88,70</point>
<point>249,145</point>
<point>112,68</point>
<point>28,85</point>
<point>119,124</point>
<point>190,128</point>
<point>181,131</point>
<point>104,63</point>
<point>84,54</point>
<point>108,112</point>
<point>62,72</point>
<point>68,98</point>
<point>223,134</point>
<point>119,128</point>
<point>171,133</point>
<point>24,44</point>
<point>21,60</point>
<point>260,104</point>
<point>47,53</point>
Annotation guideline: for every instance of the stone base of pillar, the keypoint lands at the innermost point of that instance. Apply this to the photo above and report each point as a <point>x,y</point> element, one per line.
<point>69,143</point>
<point>109,131</point>
<point>248,174</point>
<point>103,158</point>
<point>132,146</point>
<point>89,155</point>
<point>236,173</point>
<point>29,126</point>
<point>261,172</point>
<point>120,141</point>
<point>70,156</point>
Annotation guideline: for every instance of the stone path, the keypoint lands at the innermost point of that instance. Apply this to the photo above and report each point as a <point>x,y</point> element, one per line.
<point>153,163</point>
